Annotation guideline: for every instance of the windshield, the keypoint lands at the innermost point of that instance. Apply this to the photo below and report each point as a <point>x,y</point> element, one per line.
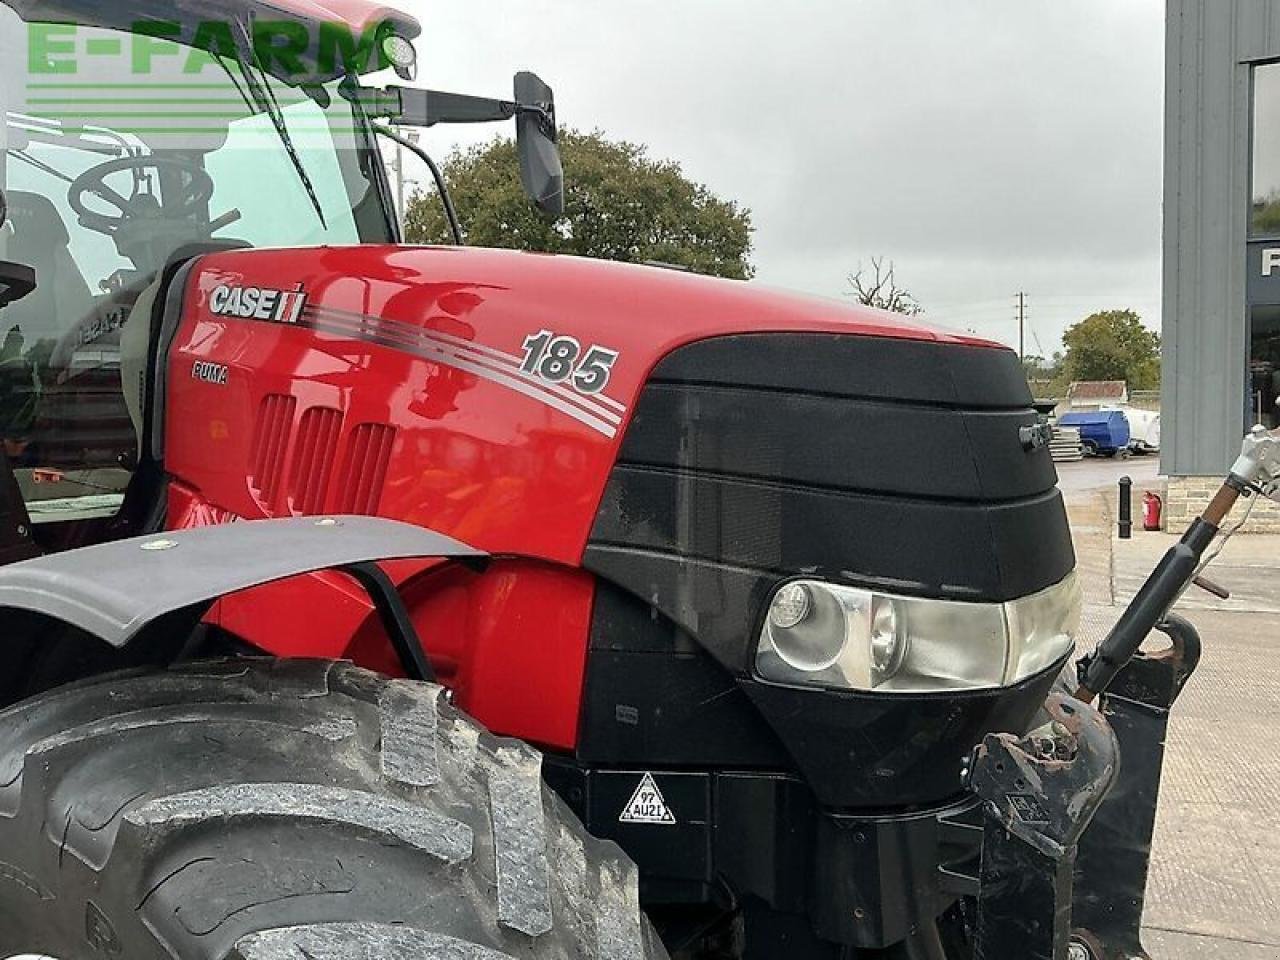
<point>117,150</point>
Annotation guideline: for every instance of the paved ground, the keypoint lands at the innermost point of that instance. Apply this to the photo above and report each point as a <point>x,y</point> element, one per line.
<point>1092,474</point>
<point>1215,886</point>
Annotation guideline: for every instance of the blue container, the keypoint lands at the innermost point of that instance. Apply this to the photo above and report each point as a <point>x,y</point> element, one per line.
<point>1104,431</point>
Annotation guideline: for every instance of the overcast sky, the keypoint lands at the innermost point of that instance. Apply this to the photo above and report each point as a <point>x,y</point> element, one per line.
<point>985,146</point>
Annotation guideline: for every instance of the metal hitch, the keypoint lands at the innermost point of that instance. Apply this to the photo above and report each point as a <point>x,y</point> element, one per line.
<point>1115,852</point>
<point>1039,794</point>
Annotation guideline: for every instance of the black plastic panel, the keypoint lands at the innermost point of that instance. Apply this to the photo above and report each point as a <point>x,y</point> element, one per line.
<point>892,751</point>
<point>837,442</point>
<point>15,524</point>
<point>902,371</point>
<point>649,684</point>
<point>856,750</point>
<point>715,603</point>
<point>963,551</point>
<point>870,460</point>
<point>809,880</point>
<point>883,463</point>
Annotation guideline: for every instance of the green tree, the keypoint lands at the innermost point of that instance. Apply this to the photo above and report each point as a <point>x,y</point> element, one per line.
<point>1037,367</point>
<point>1113,345</point>
<point>1266,214</point>
<point>1044,376</point>
<point>620,204</point>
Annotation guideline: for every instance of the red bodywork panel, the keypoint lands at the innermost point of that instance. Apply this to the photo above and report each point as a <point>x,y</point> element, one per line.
<point>397,391</point>
<point>357,14</point>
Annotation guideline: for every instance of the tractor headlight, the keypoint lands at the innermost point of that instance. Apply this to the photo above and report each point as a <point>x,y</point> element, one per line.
<point>844,637</point>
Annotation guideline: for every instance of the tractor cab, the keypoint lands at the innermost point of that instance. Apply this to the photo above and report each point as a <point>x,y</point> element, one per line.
<point>135,140</point>
<point>121,148</point>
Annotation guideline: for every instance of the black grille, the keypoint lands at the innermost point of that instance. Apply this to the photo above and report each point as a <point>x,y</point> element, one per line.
<point>867,460</point>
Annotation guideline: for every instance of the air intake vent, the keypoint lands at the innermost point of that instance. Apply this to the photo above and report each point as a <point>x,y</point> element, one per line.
<point>365,469</point>
<point>270,441</point>
<point>315,455</point>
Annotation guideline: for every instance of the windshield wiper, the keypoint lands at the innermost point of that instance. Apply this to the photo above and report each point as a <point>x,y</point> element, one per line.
<point>260,87</point>
<point>40,165</point>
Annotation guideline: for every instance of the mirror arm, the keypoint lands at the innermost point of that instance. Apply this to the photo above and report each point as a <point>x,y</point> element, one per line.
<point>429,107</point>
<point>425,108</point>
<point>541,169</point>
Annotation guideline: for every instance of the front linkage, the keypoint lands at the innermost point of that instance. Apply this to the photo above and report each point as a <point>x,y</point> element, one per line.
<point>1067,841</point>
<point>1039,795</point>
<point>1115,852</point>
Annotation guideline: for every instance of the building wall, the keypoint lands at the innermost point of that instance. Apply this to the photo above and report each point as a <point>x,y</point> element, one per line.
<point>1186,497</point>
<point>1210,45</point>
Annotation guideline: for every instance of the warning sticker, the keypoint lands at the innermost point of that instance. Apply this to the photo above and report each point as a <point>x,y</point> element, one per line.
<point>647,805</point>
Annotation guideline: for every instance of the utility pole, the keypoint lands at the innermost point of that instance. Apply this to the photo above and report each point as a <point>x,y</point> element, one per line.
<point>1022,325</point>
<point>400,180</point>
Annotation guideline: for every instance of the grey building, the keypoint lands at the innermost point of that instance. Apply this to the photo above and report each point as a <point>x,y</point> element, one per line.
<point>1221,236</point>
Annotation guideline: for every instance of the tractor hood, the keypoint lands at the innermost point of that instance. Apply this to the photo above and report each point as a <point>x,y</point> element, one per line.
<point>689,441</point>
<point>529,365</point>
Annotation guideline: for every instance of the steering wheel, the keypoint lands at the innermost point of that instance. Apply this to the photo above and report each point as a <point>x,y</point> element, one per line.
<point>195,191</point>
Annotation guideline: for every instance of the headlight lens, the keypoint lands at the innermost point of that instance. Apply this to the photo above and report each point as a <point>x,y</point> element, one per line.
<point>401,54</point>
<point>790,605</point>
<point>836,636</point>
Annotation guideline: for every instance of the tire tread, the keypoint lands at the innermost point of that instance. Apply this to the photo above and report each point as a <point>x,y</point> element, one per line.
<point>102,801</point>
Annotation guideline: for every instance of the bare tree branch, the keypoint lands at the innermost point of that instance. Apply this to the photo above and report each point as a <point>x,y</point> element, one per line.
<point>879,288</point>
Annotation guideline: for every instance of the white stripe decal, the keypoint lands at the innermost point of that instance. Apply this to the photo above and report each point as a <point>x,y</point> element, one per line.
<point>610,402</point>
<point>602,406</point>
<point>439,355</point>
<point>409,340</point>
<point>457,341</point>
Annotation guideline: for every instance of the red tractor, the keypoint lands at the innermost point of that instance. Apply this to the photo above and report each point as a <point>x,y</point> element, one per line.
<point>589,610</point>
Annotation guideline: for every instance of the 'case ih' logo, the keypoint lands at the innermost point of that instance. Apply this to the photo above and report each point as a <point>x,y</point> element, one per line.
<point>258,303</point>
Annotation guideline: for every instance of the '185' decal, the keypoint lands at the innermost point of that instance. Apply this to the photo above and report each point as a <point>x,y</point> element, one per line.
<point>560,359</point>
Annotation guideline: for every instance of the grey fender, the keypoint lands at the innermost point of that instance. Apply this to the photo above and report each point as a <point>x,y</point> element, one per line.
<point>117,591</point>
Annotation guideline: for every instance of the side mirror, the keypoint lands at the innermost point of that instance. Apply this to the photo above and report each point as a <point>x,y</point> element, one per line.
<point>16,281</point>
<point>536,136</point>
<point>534,109</point>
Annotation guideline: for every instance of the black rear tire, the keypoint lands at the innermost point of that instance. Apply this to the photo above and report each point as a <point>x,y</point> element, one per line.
<point>261,810</point>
